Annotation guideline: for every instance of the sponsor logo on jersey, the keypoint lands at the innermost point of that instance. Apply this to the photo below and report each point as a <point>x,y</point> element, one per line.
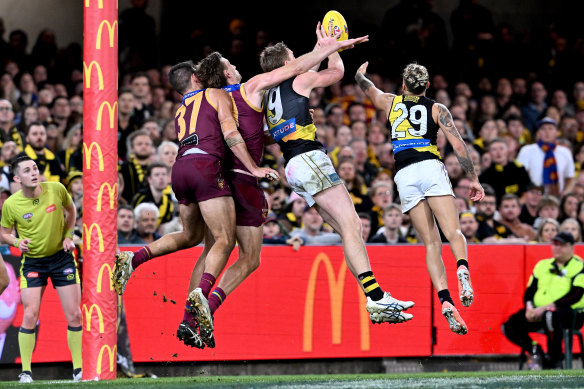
<point>68,271</point>
<point>334,177</point>
<point>35,202</point>
<point>284,129</point>
<point>51,208</point>
<point>70,277</point>
<point>32,274</point>
<point>27,216</point>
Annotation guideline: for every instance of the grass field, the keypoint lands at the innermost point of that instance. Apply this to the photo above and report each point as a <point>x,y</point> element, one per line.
<point>510,379</point>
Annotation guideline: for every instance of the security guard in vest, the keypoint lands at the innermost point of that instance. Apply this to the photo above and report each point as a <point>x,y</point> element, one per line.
<point>555,289</point>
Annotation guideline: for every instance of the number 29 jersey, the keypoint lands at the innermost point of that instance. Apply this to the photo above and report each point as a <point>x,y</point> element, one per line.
<point>413,130</point>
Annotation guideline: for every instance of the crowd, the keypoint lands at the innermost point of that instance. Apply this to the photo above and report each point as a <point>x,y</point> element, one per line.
<point>524,128</point>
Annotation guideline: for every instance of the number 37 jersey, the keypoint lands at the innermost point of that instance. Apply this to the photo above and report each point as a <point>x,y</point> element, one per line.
<point>413,130</point>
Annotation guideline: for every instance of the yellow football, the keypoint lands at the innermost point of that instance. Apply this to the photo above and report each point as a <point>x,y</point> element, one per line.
<point>334,22</point>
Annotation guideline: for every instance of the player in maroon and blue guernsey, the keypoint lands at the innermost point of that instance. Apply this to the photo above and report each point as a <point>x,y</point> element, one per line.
<point>250,203</point>
<point>202,122</point>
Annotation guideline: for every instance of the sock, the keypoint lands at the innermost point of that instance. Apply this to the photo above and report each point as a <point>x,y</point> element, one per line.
<point>462,262</point>
<point>188,316</point>
<point>207,282</point>
<point>444,295</point>
<point>370,285</point>
<point>141,256</point>
<point>26,341</point>
<point>216,299</point>
<point>74,336</point>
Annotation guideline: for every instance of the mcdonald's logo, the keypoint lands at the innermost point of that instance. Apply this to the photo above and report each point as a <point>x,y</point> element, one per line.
<point>112,353</point>
<point>87,153</point>
<point>111,109</point>
<point>113,195</point>
<point>89,315</point>
<point>87,233</point>
<point>100,277</point>
<point>88,70</point>
<point>99,3</point>
<point>336,284</point>
<point>110,28</point>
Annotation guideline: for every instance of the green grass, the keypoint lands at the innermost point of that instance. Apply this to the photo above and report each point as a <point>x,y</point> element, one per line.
<point>506,379</point>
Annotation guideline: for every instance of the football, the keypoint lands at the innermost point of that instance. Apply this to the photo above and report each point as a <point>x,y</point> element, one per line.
<point>334,22</point>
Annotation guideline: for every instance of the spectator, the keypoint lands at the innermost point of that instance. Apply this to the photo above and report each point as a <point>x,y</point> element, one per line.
<point>532,196</point>
<point>469,226</point>
<point>342,139</point>
<point>141,152</point>
<point>488,131</point>
<point>60,111</point>
<point>572,226</point>
<point>502,175</point>
<point>126,232</point>
<point>292,217</point>
<point>510,210</point>
<point>8,130</point>
<point>555,289</point>
<point>274,234</point>
<point>535,107</point>
<point>548,228</point>
<point>488,226</point>
<point>140,85</point>
<point>365,225</point>
<point>166,153</point>
<point>355,185</point>
<point>568,207</point>
<point>365,168</point>
<point>146,216</point>
<point>392,220</point>
<point>549,206</point>
<point>517,129</point>
<point>156,191</point>
<point>548,163</point>
<point>71,151</point>
<point>453,168</point>
<point>48,163</point>
<point>381,195</point>
<point>127,122</point>
<point>311,233</point>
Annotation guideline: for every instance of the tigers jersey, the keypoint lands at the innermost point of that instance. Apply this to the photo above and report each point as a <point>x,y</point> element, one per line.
<point>413,130</point>
<point>41,219</point>
<point>289,121</point>
<point>197,125</point>
<point>250,121</point>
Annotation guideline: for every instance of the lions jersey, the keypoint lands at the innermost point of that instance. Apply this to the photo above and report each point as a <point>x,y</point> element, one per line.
<point>289,121</point>
<point>413,130</point>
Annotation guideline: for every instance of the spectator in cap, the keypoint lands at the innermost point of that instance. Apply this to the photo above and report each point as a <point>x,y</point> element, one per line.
<point>548,163</point>
<point>275,234</point>
<point>555,289</point>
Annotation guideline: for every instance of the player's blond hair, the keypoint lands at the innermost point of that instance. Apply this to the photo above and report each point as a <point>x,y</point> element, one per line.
<point>416,78</point>
<point>274,57</point>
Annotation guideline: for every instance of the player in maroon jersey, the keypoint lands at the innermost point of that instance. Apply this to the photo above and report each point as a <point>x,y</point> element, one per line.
<point>202,122</point>
<point>250,203</point>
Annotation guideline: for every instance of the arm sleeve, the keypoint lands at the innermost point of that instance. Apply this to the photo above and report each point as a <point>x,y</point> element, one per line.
<point>575,293</point>
<point>531,289</point>
<point>7,219</point>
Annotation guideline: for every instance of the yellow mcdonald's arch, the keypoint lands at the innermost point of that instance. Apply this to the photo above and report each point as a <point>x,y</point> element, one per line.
<point>89,314</point>
<point>87,154</point>
<point>100,277</point>
<point>111,190</point>
<point>112,352</point>
<point>111,30</point>
<point>336,290</point>
<point>111,109</point>
<point>99,3</point>
<point>87,70</point>
<point>87,236</point>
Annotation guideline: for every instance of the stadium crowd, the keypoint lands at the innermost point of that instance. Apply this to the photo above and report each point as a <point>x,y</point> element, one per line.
<point>518,104</point>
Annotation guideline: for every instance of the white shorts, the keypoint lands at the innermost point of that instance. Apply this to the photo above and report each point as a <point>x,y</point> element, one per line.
<point>310,173</point>
<point>423,179</point>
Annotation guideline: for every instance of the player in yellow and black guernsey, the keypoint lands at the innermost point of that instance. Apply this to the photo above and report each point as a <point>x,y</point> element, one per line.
<point>422,181</point>
<point>39,220</point>
<point>311,174</point>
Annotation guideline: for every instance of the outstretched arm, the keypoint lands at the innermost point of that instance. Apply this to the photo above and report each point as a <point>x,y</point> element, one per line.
<point>442,115</point>
<point>380,99</point>
<point>325,46</point>
<point>233,138</point>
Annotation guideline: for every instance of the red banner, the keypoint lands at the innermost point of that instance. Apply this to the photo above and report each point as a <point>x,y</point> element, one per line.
<point>284,310</point>
<point>100,73</point>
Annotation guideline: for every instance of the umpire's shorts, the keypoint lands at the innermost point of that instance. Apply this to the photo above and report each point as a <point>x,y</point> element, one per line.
<point>60,267</point>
